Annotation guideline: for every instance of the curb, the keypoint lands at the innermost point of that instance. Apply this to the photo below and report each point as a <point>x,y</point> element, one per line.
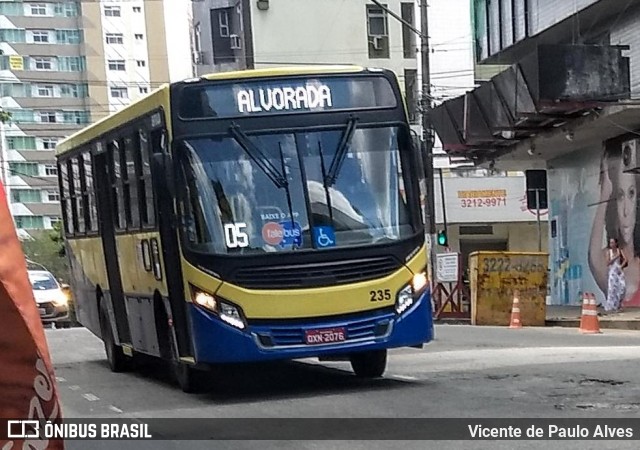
<point>604,324</point>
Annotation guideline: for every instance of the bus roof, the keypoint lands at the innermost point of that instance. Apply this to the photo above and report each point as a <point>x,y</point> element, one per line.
<point>159,97</point>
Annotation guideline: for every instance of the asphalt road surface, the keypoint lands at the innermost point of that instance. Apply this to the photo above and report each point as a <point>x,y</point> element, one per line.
<point>468,372</point>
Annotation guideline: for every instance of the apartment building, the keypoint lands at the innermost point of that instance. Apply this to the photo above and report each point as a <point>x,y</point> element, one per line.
<point>65,64</point>
<point>241,34</point>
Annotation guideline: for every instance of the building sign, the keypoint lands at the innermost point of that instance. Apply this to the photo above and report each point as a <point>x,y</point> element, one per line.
<point>486,198</point>
<point>271,96</point>
<point>16,62</point>
<point>447,267</point>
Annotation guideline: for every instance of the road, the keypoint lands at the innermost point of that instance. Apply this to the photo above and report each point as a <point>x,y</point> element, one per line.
<point>469,372</point>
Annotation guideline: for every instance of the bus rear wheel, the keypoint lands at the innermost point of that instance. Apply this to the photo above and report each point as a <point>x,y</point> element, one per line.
<point>118,361</point>
<point>370,364</point>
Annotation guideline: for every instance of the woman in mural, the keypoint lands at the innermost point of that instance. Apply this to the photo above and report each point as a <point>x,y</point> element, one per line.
<point>616,215</point>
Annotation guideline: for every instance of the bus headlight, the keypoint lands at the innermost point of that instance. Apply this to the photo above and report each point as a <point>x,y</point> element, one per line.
<point>408,294</point>
<point>226,311</point>
<point>404,299</point>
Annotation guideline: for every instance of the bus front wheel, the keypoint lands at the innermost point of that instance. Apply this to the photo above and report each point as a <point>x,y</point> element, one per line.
<point>118,361</point>
<point>370,364</point>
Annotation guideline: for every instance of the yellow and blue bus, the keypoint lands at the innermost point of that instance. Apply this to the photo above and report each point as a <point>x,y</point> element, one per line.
<point>249,216</point>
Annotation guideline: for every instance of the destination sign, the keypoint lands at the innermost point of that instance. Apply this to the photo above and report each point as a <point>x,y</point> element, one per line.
<point>285,96</point>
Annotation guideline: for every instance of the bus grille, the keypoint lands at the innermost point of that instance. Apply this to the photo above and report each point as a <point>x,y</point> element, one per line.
<point>290,335</point>
<point>315,274</point>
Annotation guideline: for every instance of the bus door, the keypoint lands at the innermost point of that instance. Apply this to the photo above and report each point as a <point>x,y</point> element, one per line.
<point>107,173</point>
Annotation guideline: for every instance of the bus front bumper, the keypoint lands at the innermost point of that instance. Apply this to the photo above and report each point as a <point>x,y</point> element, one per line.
<point>217,342</point>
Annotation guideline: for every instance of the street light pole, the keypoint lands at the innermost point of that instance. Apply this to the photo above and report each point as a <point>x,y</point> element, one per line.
<point>427,134</point>
<point>427,130</point>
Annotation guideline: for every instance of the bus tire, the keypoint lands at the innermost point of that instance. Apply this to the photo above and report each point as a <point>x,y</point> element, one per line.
<point>370,364</point>
<point>118,361</point>
<point>190,380</point>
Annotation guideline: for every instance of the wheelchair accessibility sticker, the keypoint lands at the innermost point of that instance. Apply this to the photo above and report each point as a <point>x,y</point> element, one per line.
<point>324,237</point>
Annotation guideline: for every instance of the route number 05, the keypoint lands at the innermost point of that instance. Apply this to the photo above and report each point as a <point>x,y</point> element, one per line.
<point>234,235</point>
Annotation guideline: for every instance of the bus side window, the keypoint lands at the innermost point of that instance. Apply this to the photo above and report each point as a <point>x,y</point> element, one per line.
<point>132,150</point>
<point>65,197</point>
<point>90,194</point>
<point>114,181</point>
<point>145,187</point>
<point>78,210</point>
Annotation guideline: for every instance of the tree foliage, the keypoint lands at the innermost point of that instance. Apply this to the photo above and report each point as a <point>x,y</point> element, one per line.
<point>47,248</point>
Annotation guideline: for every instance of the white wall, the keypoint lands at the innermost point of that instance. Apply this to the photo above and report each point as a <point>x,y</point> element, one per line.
<point>327,31</point>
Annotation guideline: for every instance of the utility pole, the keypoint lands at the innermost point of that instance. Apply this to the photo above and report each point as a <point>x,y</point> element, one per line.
<point>427,135</point>
<point>427,130</point>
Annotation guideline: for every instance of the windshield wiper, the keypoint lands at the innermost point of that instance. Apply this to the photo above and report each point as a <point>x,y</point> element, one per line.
<point>261,160</point>
<point>258,157</point>
<point>341,152</point>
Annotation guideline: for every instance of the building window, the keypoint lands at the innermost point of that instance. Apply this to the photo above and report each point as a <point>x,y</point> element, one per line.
<point>115,38</point>
<point>144,90</point>
<point>50,170</point>
<point>49,143</point>
<point>411,93</point>
<point>223,22</point>
<point>24,169</point>
<point>116,64</point>
<point>40,37</point>
<point>43,63</point>
<point>408,36</point>
<point>29,222</point>
<point>141,63</point>
<point>112,11</point>
<point>38,9</point>
<point>47,116</point>
<point>26,196</point>
<point>119,92</point>
<point>54,221</point>
<point>137,9</point>
<point>138,36</point>
<point>377,29</point>
<point>44,90</point>
<point>53,196</point>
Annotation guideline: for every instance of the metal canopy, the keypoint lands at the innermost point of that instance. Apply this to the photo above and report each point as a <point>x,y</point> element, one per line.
<point>548,88</point>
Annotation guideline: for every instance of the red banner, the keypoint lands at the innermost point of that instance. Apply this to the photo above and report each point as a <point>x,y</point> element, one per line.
<point>27,382</point>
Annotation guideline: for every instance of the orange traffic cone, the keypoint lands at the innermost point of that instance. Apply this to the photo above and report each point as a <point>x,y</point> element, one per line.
<point>515,311</point>
<point>589,323</point>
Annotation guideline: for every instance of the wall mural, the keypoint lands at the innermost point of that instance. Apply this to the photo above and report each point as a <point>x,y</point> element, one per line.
<point>593,199</point>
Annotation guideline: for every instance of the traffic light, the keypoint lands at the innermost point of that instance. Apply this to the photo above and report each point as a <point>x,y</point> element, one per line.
<point>442,238</point>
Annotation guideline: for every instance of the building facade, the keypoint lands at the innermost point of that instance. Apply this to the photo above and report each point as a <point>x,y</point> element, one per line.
<point>575,69</point>
<point>246,34</point>
<point>65,64</point>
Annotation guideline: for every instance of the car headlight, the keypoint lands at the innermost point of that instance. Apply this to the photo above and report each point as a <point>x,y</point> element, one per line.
<point>409,293</point>
<point>61,300</point>
<point>227,312</point>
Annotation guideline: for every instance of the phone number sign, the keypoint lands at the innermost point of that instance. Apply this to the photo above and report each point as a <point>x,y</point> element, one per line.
<point>486,198</point>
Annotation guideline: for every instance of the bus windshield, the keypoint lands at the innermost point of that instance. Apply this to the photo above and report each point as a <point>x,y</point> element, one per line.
<point>290,191</point>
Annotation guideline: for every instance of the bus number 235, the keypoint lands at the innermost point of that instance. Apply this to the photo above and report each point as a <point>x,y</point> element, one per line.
<point>234,235</point>
<point>380,295</point>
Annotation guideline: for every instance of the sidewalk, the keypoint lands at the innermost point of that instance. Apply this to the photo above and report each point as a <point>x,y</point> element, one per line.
<point>569,316</point>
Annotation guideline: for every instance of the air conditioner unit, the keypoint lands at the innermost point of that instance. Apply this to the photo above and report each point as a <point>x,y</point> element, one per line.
<point>630,162</point>
<point>236,42</point>
<point>377,42</point>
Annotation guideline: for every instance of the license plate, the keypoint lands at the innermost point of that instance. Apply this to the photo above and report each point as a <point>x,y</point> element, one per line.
<point>42,311</point>
<point>325,336</point>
